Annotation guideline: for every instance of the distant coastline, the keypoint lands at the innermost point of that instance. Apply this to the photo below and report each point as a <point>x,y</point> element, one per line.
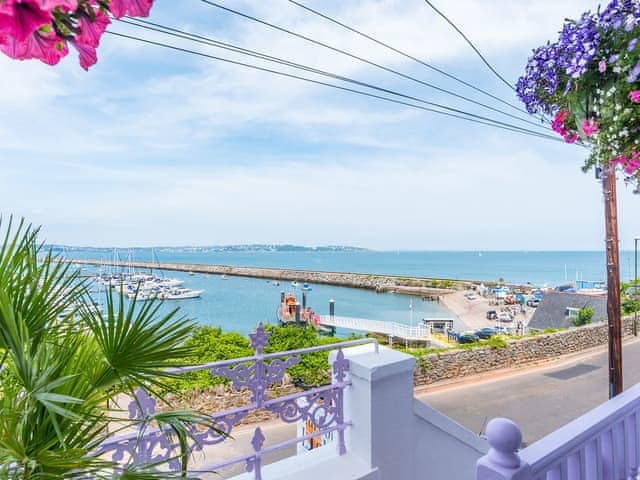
<point>259,247</point>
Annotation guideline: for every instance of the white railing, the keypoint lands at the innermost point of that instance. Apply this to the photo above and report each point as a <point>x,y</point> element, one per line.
<point>601,444</point>
<point>391,329</point>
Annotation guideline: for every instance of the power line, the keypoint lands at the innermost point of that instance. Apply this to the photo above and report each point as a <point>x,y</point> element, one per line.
<point>338,87</point>
<point>361,59</point>
<point>406,55</point>
<point>470,43</point>
<point>227,46</point>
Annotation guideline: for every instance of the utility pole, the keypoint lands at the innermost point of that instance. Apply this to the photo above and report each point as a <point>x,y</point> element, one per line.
<point>613,281</point>
<point>636,297</point>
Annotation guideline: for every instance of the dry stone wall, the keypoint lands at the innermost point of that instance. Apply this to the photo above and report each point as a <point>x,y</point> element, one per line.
<point>453,364</point>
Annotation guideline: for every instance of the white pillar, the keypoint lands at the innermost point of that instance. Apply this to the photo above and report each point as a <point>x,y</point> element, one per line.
<point>380,405</point>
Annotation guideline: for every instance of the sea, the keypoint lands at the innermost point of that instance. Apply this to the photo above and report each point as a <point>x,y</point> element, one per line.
<point>238,304</point>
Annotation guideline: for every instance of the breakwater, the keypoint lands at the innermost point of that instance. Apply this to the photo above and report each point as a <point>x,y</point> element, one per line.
<point>424,287</point>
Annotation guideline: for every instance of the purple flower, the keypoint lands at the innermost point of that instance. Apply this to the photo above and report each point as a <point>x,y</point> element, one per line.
<point>613,58</point>
<point>633,75</point>
<point>632,44</point>
<point>602,66</point>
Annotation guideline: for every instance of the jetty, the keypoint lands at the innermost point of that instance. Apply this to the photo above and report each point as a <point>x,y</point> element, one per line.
<point>420,332</point>
<point>427,288</point>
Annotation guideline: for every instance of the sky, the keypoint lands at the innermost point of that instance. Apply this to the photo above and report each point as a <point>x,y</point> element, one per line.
<point>158,147</point>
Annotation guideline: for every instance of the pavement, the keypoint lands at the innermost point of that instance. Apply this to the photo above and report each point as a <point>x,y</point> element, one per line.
<point>539,399</point>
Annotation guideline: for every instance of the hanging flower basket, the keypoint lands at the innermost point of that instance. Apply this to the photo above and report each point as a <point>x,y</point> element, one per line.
<point>588,82</point>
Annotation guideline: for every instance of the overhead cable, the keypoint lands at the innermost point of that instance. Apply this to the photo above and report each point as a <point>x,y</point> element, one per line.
<point>469,118</point>
<point>470,43</point>
<point>406,55</point>
<point>227,46</point>
<point>361,59</point>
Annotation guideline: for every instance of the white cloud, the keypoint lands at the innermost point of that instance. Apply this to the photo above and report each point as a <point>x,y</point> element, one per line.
<point>153,147</point>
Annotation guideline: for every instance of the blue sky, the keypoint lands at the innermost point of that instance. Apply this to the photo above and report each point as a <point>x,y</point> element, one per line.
<point>154,147</point>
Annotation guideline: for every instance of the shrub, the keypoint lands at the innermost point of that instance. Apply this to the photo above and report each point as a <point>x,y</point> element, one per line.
<point>585,315</point>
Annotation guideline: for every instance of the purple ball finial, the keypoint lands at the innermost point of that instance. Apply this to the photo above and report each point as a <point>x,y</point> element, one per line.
<point>505,438</point>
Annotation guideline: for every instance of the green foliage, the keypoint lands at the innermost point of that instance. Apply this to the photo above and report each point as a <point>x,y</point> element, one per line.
<point>585,315</point>
<point>420,352</point>
<point>630,306</point>
<point>62,363</point>
<point>211,344</point>
<point>497,341</point>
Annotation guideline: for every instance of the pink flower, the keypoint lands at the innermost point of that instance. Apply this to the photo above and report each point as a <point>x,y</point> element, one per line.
<point>589,127</point>
<point>46,47</point>
<point>86,53</point>
<point>91,31</point>
<point>64,5</point>
<point>134,8</point>
<point>20,18</point>
<point>634,95</point>
<point>571,137</point>
<point>602,66</point>
<point>557,125</point>
<point>619,160</point>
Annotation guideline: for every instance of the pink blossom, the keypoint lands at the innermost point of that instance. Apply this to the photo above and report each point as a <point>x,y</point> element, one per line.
<point>630,169</point>
<point>634,95</point>
<point>91,31</point>
<point>619,160</point>
<point>64,5</point>
<point>86,53</point>
<point>571,137</point>
<point>602,66</point>
<point>20,18</point>
<point>46,47</point>
<point>557,125</point>
<point>134,8</point>
<point>589,127</point>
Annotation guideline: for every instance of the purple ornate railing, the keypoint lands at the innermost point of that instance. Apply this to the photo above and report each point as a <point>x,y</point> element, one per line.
<point>323,406</point>
<point>602,444</point>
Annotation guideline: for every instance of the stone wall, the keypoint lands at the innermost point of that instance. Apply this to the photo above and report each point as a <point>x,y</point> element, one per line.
<point>452,364</point>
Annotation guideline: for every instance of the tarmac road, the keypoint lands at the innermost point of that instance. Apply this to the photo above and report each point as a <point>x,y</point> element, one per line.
<point>539,400</point>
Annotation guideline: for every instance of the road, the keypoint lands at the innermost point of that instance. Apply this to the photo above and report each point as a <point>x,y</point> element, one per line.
<point>538,399</point>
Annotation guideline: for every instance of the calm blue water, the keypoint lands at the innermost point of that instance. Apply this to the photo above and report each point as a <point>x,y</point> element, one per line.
<point>239,303</point>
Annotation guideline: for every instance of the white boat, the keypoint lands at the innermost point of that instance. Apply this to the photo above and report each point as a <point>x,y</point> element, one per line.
<point>180,294</point>
<point>294,284</point>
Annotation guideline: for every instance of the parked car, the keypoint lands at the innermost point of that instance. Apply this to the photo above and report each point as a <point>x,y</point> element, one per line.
<point>505,317</point>
<point>501,329</point>
<point>467,337</point>
<point>492,315</point>
<point>486,332</point>
<point>533,302</point>
<point>470,295</point>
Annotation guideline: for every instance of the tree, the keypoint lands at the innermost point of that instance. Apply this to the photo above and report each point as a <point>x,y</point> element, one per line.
<point>63,364</point>
<point>42,29</point>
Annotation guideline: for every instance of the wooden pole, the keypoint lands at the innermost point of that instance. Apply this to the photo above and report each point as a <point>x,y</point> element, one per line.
<point>613,281</point>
